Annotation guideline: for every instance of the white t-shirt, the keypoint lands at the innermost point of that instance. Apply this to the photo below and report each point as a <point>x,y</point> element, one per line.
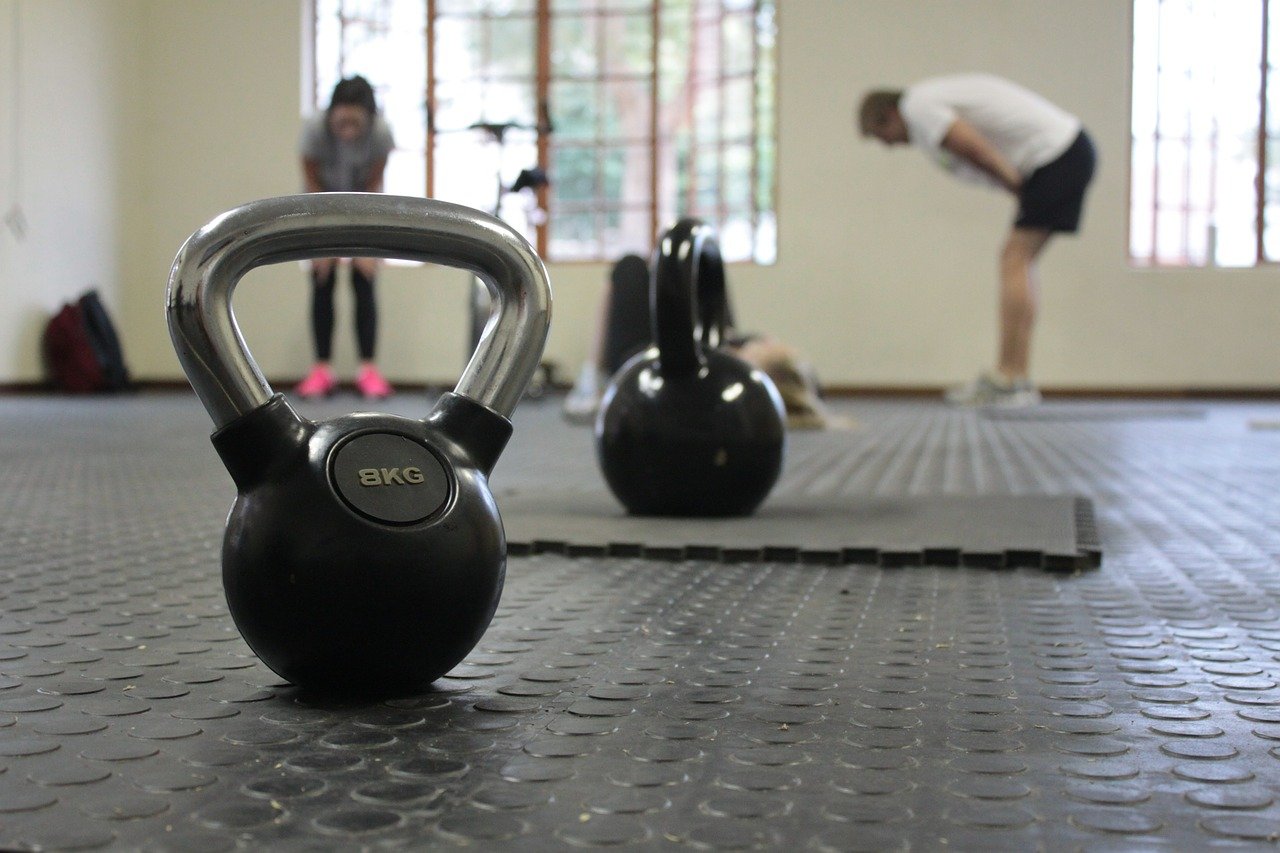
<point>1027,129</point>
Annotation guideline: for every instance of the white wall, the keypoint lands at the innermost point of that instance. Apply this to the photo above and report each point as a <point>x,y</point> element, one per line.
<point>62,104</point>
<point>886,266</point>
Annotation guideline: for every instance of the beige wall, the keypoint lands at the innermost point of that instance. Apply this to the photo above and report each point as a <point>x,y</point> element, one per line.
<point>886,266</point>
<point>62,102</point>
<point>892,263</point>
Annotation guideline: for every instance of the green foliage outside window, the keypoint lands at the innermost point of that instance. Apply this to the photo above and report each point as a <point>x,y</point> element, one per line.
<point>660,109</point>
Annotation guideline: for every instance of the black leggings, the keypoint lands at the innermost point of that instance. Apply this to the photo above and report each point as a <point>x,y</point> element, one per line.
<point>322,313</point>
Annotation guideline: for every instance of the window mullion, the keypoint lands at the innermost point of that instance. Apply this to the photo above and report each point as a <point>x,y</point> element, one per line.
<point>1154,254</point>
<point>342,41</point>
<point>695,89</point>
<point>721,115</point>
<point>312,62</point>
<point>753,203</point>
<point>430,153</point>
<point>542,99</point>
<point>655,23</point>
<point>1261,181</point>
<point>1188,145</point>
<point>1214,148</point>
<point>598,190</point>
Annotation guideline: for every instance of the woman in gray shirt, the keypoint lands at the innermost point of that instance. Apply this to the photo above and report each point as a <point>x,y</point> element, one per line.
<point>344,149</point>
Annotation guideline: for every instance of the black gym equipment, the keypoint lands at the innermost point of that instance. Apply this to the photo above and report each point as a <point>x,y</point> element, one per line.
<point>363,553</point>
<point>534,178</point>
<point>685,428</point>
<point>1051,532</point>
<point>627,323</point>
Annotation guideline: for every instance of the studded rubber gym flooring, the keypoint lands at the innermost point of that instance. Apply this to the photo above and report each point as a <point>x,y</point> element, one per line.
<point>656,704</point>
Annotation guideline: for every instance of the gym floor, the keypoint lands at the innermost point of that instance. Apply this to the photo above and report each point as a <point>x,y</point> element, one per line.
<point>641,703</point>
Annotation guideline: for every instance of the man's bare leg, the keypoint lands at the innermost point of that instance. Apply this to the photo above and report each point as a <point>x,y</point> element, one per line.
<point>1018,298</point>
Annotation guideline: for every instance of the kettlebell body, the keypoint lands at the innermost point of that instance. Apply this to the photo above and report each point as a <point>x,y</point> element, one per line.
<point>678,447</point>
<point>367,554</point>
<point>363,554</point>
<point>685,428</point>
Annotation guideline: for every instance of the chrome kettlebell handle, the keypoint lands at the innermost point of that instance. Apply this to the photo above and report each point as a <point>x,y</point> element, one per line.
<point>207,268</point>
<point>688,298</point>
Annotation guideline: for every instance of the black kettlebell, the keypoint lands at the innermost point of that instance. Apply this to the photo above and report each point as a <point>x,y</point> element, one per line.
<point>363,554</point>
<point>685,428</point>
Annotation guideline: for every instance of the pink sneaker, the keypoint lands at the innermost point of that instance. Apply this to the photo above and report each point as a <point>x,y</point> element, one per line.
<point>320,382</point>
<point>372,385</point>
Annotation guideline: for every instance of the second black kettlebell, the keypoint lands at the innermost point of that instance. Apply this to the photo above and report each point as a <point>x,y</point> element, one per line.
<point>685,428</point>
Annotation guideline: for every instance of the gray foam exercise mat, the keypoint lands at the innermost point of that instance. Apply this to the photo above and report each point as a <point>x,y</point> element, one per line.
<point>1095,411</point>
<point>1047,531</point>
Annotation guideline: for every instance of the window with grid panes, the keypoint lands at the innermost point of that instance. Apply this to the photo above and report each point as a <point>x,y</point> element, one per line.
<point>638,112</point>
<point>1205,148</point>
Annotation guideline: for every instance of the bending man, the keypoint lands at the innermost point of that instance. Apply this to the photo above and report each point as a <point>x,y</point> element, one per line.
<point>983,128</point>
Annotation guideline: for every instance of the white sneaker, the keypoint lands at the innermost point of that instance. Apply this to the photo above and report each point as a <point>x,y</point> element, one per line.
<point>583,399</point>
<point>991,390</point>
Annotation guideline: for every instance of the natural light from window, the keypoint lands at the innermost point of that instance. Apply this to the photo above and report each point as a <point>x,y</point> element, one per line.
<point>1201,135</point>
<point>636,111</point>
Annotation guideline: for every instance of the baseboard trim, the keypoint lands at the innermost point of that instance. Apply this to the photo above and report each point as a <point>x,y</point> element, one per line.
<point>165,386</point>
<point>1069,392</point>
<point>170,386</point>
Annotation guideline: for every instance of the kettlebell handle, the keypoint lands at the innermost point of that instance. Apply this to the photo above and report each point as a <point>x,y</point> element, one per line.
<point>325,225</point>
<point>688,299</point>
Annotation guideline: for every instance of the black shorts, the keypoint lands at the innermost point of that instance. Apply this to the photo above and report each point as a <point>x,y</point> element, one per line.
<point>1052,196</point>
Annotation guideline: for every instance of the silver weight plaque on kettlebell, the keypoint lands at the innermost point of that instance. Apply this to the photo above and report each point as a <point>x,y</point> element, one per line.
<point>389,478</point>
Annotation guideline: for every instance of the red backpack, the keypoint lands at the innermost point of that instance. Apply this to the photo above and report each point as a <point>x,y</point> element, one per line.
<point>81,351</point>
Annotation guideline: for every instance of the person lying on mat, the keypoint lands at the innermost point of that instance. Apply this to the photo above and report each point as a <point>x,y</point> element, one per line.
<point>987,129</point>
<point>622,330</point>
